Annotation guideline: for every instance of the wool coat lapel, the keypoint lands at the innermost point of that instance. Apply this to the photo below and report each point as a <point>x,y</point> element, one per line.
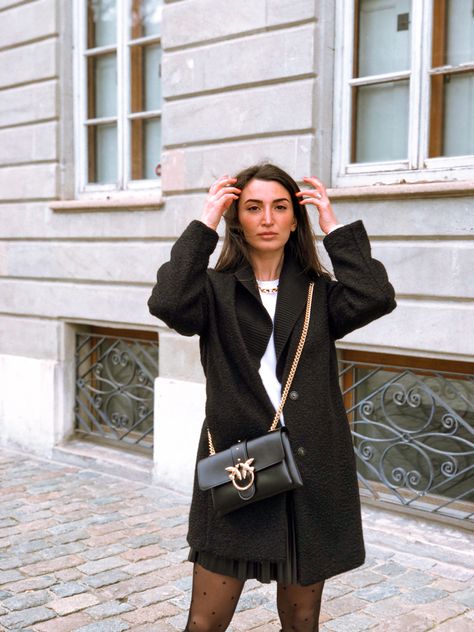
<point>292,296</point>
<point>248,327</point>
<point>254,320</point>
<point>255,323</point>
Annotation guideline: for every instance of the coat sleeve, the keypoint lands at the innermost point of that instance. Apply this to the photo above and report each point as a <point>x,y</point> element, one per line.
<point>179,297</point>
<point>362,291</point>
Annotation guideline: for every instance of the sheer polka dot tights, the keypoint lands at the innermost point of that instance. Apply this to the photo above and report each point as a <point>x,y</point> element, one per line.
<point>215,597</point>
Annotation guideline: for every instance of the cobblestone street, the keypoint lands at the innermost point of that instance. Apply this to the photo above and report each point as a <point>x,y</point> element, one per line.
<point>84,551</point>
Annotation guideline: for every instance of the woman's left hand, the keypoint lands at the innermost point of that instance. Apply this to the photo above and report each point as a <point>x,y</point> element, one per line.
<point>319,197</point>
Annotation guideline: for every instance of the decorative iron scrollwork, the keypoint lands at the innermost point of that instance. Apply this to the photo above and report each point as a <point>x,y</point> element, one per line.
<point>114,388</point>
<point>413,436</point>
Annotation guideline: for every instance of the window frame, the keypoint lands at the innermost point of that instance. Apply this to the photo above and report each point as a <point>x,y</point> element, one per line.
<point>418,167</point>
<point>124,116</point>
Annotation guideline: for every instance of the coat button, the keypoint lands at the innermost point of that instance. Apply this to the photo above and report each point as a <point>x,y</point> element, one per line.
<point>301,451</point>
<point>294,395</point>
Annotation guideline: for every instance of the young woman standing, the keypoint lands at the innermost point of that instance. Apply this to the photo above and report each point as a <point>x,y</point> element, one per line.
<point>248,312</point>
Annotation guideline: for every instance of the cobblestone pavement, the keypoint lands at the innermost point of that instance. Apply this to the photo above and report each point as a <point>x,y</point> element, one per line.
<point>84,551</point>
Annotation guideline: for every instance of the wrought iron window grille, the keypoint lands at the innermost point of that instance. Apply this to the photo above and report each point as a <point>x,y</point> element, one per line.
<point>413,434</point>
<point>114,386</point>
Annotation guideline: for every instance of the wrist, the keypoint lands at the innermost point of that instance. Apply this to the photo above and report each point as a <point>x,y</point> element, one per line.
<point>209,223</point>
<point>333,227</point>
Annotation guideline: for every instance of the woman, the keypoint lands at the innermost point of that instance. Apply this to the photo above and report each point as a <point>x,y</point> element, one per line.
<point>248,312</point>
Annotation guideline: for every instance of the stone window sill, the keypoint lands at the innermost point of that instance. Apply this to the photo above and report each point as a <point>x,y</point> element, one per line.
<point>126,202</point>
<point>407,191</point>
<point>129,202</point>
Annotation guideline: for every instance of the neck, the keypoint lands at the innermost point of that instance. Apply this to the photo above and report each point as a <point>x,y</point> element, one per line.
<point>267,265</point>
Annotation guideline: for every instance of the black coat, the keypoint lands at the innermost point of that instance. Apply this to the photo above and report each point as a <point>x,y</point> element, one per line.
<point>225,309</point>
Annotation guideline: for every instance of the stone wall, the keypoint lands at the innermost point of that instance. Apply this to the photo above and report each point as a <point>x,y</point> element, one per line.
<point>239,86</point>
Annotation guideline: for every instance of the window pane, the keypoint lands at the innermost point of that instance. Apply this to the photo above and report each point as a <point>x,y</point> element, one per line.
<point>458,136</point>
<point>384,37</point>
<point>102,86</point>
<point>102,20</point>
<point>382,122</point>
<point>146,18</point>
<point>151,146</point>
<point>146,83</point>
<point>103,154</point>
<point>152,73</point>
<point>460,32</point>
<point>146,147</point>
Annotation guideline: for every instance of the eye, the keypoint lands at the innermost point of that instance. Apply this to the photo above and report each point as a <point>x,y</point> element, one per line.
<point>281,207</point>
<point>253,208</point>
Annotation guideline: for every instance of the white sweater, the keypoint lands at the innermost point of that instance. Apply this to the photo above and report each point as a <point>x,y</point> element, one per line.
<point>267,368</point>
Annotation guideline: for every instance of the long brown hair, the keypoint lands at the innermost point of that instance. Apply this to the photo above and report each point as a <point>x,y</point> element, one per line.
<point>235,252</point>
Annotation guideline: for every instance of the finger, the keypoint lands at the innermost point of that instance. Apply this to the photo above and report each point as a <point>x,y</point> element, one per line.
<point>314,201</point>
<point>222,198</point>
<point>227,200</point>
<point>219,183</point>
<point>228,196</point>
<point>225,179</point>
<point>316,183</point>
<point>214,186</point>
<point>312,179</point>
<point>225,185</point>
<point>310,193</point>
<point>227,189</point>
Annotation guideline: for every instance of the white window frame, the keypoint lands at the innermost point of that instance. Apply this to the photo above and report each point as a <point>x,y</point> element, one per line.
<point>418,166</point>
<point>124,115</point>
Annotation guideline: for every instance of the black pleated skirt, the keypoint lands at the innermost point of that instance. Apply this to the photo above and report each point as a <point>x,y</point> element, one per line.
<point>285,572</point>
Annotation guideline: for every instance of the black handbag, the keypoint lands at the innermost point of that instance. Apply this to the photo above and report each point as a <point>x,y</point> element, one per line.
<point>259,468</point>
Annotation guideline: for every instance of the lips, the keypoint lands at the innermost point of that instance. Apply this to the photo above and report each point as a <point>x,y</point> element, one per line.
<point>267,234</point>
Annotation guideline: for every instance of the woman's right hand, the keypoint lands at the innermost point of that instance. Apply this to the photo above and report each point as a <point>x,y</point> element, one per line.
<point>220,196</point>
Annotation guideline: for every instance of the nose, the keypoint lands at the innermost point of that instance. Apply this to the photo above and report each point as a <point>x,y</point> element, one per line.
<point>267,216</point>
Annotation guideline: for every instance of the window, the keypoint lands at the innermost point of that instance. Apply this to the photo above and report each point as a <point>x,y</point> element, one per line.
<point>118,94</point>
<point>405,72</point>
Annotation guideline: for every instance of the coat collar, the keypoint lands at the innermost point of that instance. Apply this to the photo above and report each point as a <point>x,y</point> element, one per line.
<point>291,301</point>
<point>246,276</point>
<point>292,295</point>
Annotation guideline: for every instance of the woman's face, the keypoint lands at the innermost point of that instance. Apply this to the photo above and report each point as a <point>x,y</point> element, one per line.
<point>266,215</point>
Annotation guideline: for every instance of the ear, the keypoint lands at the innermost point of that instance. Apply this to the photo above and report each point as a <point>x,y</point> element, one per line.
<point>294,225</point>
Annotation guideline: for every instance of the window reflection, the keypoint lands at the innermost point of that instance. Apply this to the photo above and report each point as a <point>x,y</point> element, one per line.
<point>102,17</point>
<point>145,97</point>
<point>380,100</point>
<point>102,154</point>
<point>103,86</point>
<point>452,80</point>
<point>459,32</point>
<point>384,37</point>
<point>382,122</point>
<point>146,18</point>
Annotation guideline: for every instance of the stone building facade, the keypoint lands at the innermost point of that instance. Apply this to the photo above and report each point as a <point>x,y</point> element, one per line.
<point>239,83</point>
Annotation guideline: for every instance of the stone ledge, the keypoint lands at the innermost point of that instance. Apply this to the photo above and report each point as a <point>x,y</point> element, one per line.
<point>410,191</point>
<point>101,458</point>
<point>110,202</point>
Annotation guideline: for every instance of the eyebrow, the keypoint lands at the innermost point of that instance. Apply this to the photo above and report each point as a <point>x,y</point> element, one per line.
<point>260,201</point>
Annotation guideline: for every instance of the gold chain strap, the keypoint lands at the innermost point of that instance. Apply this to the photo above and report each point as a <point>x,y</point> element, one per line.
<point>292,372</point>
